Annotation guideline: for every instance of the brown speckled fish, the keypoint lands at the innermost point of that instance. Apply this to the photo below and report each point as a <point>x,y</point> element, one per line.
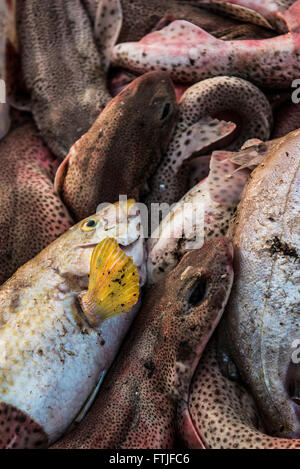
<point>31,215</point>
<point>136,407</point>
<point>63,68</point>
<point>63,316</point>
<point>123,147</point>
<point>205,211</point>
<point>261,326</point>
<point>197,129</point>
<point>221,414</point>
<point>190,54</point>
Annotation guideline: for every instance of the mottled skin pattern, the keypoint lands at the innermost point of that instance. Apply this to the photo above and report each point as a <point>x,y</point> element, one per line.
<point>140,17</point>
<point>262,318</point>
<point>221,413</point>
<point>123,147</point>
<point>280,14</point>
<point>231,97</point>
<point>31,215</point>
<point>137,404</point>
<point>190,54</point>
<point>62,69</point>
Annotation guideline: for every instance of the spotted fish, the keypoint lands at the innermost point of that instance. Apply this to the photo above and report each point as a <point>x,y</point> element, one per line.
<point>31,215</point>
<point>136,407</point>
<point>190,54</point>
<point>123,147</point>
<point>63,317</point>
<point>62,66</point>
<point>197,129</point>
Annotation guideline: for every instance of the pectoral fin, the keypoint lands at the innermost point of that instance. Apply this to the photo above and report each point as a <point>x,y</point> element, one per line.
<point>113,284</point>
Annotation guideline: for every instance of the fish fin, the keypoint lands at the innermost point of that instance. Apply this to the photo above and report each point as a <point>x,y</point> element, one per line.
<point>225,184</point>
<point>198,136</point>
<point>113,284</point>
<point>107,28</point>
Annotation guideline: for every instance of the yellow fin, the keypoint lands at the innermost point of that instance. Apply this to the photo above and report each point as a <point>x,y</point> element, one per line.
<point>113,284</point>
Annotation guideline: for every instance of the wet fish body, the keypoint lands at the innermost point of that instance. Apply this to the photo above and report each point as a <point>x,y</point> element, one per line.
<point>261,322</point>
<point>190,54</point>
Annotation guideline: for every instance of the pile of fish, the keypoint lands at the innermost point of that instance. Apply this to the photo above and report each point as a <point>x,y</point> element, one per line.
<point>150,224</point>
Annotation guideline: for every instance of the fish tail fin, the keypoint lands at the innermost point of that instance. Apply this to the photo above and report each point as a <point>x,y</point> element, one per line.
<point>113,284</point>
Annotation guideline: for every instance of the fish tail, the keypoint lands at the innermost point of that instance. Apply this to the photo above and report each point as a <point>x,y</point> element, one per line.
<point>113,284</point>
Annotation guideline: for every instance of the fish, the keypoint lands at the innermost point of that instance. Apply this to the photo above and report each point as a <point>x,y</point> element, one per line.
<point>261,325</point>
<point>209,111</point>
<point>141,17</point>
<point>221,413</point>
<point>136,406</point>
<point>205,211</point>
<point>123,147</point>
<point>189,54</point>
<point>286,119</point>
<point>282,15</point>
<point>63,317</point>
<point>31,214</point>
<point>63,69</point>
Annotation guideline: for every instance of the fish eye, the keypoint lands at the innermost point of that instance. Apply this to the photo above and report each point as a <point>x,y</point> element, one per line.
<point>166,111</point>
<point>197,293</point>
<point>89,225</point>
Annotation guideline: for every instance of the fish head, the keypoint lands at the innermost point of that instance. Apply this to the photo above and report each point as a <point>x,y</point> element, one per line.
<point>123,147</point>
<point>195,295</point>
<point>120,221</point>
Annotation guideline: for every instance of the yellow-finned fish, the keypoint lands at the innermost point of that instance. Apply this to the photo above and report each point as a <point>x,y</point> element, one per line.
<point>61,323</point>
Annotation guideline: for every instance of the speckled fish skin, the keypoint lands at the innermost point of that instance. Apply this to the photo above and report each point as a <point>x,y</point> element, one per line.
<point>4,107</point>
<point>261,321</point>
<point>31,215</point>
<point>190,54</point>
<point>205,211</point>
<point>137,404</point>
<point>224,97</point>
<point>221,414</point>
<point>283,15</point>
<point>51,358</point>
<point>62,68</point>
<point>140,17</point>
<point>123,147</point>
